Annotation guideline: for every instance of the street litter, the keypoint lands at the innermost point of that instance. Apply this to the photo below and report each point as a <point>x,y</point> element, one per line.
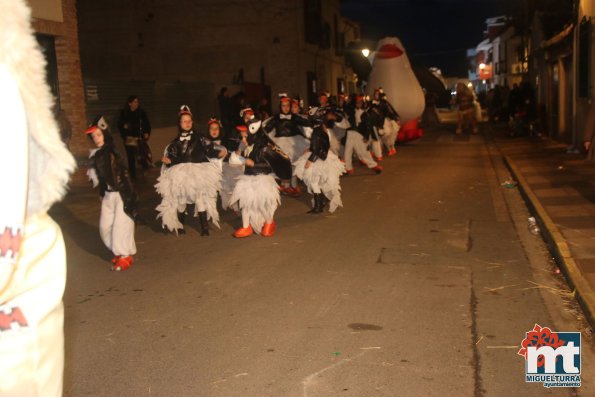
<point>499,288</point>
<point>533,228</point>
<point>560,292</point>
<point>509,183</point>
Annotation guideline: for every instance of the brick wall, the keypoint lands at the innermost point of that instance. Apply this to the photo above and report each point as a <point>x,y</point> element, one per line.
<point>70,81</point>
<point>205,41</point>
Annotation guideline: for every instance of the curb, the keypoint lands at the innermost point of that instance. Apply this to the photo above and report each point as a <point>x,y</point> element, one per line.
<point>557,244</point>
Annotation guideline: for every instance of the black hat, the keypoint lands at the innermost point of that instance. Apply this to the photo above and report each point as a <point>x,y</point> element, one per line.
<point>98,122</point>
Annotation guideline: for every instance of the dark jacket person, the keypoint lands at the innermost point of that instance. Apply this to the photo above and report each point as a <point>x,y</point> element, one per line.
<point>134,127</point>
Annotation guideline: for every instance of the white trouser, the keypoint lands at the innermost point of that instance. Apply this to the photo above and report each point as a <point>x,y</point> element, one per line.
<point>115,227</point>
<point>31,314</point>
<point>389,139</point>
<point>355,143</point>
<point>376,148</point>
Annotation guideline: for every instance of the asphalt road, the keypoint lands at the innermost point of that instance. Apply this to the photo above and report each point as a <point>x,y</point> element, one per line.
<point>424,284</point>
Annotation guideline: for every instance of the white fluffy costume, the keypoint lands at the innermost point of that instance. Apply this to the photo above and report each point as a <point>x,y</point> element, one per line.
<point>258,197</point>
<point>288,132</point>
<point>232,171</point>
<point>256,193</point>
<point>324,170</point>
<point>190,178</point>
<point>188,183</point>
<point>32,254</point>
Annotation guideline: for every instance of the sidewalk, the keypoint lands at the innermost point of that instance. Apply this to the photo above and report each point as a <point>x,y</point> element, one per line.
<point>560,191</point>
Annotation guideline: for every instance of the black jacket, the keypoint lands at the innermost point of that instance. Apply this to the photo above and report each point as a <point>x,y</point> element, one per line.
<point>196,149</point>
<point>319,144</point>
<point>387,110</point>
<point>113,177</point>
<point>137,121</point>
<point>372,121</point>
<point>286,125</point>
<point>267,157</point>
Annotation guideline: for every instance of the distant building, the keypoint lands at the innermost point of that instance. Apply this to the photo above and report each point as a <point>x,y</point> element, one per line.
<point>184,51</point>
<point>55,26</point>
<point>553,57</point>
<point>561,66</point>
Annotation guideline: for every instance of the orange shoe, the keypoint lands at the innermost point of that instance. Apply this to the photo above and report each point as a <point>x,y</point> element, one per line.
<point>378,169</point>
<point>295,191</point>
<point>350,172</point>
<point>243,232</point>
<point>123,263</point>
<point>268,229</point>
<point>379,158</point>
<point>392,152</point>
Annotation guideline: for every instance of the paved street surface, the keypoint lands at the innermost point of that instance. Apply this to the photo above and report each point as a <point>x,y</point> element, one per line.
<point>424,284</point>
<point>565,185</point>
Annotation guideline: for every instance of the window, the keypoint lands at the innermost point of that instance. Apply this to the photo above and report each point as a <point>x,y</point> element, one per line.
<point>339,37</point>
<point>584,32</point>
<point>312,21</point>
<point>325,37</point>
<point>47,44</point>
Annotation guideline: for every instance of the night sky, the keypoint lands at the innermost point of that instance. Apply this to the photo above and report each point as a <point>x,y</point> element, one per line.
<point>434,32</point>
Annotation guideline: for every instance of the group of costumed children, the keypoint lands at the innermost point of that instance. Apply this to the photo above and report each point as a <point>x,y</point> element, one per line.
<point>248,168</point>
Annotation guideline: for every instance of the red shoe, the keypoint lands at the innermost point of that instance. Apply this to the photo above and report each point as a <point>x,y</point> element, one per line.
<point>378,169</point>
<point>243,232</point>
<point>268,229</point>
<point>350,172</point>
<point>295,191</point>
<point>362,162</point>
<point>285,190</point>
<point>123,263</point>
<point>115,259</point>
<point>379,158</point>
<point>392,152</point>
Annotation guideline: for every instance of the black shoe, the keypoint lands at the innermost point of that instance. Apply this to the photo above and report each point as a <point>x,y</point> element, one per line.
<point>318,204</point>
<point>204,223</point>
<point>139,220</point>
<point>181,231</point>
<point>322,200</point>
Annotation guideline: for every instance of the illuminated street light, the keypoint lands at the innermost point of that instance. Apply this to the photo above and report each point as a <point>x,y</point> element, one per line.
<point>366,52</point>
<point>482,65</point>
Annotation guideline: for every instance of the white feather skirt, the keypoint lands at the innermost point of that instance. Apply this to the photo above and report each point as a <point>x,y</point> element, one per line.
<point>231,173</point>
<point>325,174</point>
<point>188,183</point>
<point>258,197</point>
<point>292,146</point>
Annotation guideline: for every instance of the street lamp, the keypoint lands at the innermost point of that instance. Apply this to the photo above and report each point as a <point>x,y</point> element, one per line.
<point>482,65</point>
<point>366,52</point>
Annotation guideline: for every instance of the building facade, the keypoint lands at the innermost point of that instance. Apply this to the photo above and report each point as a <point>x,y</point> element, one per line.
<point>56,29</point>
<point>185,51</point>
